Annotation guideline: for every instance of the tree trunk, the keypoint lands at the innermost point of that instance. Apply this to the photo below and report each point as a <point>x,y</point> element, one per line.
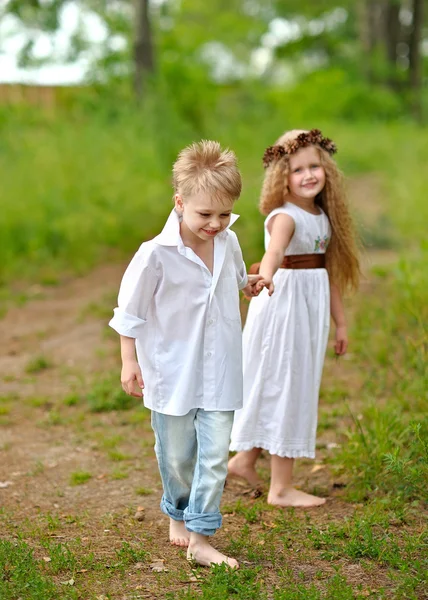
<point>371,30</point>
<point>392,31</point>
<point>143,48</point>
<point>415,57</point>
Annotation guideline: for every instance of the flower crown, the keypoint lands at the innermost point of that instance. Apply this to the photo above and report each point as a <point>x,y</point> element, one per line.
<point>303,140</point>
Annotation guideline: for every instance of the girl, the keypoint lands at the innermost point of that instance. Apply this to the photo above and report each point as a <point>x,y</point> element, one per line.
<point>310,260</point>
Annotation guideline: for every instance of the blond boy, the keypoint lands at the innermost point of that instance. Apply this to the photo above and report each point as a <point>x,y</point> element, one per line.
<point>179,311</point>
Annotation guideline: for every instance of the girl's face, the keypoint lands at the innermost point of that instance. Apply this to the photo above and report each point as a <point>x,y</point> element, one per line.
<point>203,217</point>
<point>306,177</point>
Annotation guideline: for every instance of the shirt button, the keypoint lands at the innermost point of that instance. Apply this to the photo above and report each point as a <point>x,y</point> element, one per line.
<point>210,322</point>
<point>209,354</point>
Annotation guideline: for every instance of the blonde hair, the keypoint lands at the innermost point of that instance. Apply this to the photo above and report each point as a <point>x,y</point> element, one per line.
<point>203,167</point>
<point>342,253</point>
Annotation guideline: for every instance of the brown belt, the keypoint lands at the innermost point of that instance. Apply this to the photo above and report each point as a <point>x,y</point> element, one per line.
<point>296,261</point>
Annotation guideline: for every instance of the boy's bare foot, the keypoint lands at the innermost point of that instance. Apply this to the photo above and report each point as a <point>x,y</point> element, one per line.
<point>178,534</point>
<point>239,467</point>
<point>204,554</point>
<point>292,497</point>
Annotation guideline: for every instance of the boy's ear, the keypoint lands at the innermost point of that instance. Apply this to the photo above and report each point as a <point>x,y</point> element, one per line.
<point>179,205</point>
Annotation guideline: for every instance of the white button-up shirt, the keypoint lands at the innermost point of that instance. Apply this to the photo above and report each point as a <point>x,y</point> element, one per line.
<point>186,321</point>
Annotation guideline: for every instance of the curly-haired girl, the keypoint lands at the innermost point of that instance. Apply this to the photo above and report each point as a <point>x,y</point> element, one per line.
<point>310,260</point>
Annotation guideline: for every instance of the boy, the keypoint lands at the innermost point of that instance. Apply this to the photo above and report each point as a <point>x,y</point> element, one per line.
<point>179,309</point>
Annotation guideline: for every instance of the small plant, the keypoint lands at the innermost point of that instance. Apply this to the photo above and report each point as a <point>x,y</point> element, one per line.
<point>142,491</point>
<point>38,364</point>
<point>129,555</point>
<point>117,474</point>
<point>80,477</point>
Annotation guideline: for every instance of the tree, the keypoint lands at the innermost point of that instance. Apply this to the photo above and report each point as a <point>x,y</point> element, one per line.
<point>143,47</point>
<point>415,57</point>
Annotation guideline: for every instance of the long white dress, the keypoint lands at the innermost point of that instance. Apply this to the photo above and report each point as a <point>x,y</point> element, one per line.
<point>284,344</point>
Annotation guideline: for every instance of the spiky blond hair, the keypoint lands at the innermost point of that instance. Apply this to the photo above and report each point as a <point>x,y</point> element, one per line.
<point>342,253</point>
<point>204,167</point>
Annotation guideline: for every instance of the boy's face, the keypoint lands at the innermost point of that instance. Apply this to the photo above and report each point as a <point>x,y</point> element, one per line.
<point>203,217</point>
<point>306,177</point>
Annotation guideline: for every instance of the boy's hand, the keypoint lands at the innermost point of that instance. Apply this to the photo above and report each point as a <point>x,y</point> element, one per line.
<point>341,343</point>
<point>131,375</point>
<point>252,289</point>
<point>255,285</point>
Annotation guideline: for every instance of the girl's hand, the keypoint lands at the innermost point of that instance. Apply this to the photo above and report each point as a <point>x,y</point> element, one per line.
<point>268,284</point>
<point>131,374</point>
<point>341,343</point>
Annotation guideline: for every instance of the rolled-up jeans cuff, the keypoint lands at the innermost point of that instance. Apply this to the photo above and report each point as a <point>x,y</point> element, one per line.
<point>170,510</point>
<point>204,523</point>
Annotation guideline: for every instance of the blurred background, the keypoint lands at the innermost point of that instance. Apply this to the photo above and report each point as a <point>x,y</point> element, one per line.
<point>97,97</point>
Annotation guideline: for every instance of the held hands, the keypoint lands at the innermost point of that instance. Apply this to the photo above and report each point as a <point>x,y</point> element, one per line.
<point>254,286</point>
<point>130,376</point>
<point>341,340</point>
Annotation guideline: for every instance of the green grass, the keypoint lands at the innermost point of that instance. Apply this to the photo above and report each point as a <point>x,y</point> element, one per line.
<point>21,575</point>
<point>38,364</point>
<point>106,395</point>
<point>387,448</point>
<point>142,491</point>
<point>80,477</point>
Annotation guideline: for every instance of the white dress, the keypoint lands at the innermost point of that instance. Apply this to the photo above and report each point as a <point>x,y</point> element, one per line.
<point>284,344</point>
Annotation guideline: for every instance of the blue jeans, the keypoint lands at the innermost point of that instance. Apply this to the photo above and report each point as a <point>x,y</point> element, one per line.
<point>192,452</point>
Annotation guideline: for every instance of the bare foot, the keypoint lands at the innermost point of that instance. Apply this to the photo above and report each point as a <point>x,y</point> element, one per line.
<point>204,554</point>
<point>178,534</point>
<point>238,466</point>
<point>292,497</point>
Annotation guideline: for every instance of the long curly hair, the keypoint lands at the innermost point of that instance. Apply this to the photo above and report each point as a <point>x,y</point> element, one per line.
<point>342,260</point>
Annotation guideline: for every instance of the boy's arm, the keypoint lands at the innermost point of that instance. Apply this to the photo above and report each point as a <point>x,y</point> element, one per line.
<point>338,314</point>
<point>136,292</point>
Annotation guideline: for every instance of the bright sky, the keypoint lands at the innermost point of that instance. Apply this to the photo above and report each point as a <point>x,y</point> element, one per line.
<point>14,36</point>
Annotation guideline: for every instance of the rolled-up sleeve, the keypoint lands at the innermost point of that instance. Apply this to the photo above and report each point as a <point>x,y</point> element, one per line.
<point>240,268</point>
<point>136,292</point>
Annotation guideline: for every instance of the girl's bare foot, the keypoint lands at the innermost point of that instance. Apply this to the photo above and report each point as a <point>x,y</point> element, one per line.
<point>292,497</point>
<point>178,534</point>
<point>204,554</point>
<point>238,466</point>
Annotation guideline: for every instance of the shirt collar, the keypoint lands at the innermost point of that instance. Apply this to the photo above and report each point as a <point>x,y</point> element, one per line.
<point>170,234</point>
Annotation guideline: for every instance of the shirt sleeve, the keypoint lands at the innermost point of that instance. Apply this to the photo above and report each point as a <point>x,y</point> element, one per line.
<point>240,268</point>
<point>136,292</point>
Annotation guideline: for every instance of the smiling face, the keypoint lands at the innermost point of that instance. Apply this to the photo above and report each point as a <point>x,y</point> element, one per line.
<point>306,177</point>
<point>203,217</point>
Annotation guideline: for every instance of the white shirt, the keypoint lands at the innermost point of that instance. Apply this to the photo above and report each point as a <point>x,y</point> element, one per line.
<point>186,321</point>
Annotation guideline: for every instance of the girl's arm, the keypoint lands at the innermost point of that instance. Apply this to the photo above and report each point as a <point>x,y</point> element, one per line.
<point>338,314</point>
<point>131,371</point>
<point>281,234</point>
